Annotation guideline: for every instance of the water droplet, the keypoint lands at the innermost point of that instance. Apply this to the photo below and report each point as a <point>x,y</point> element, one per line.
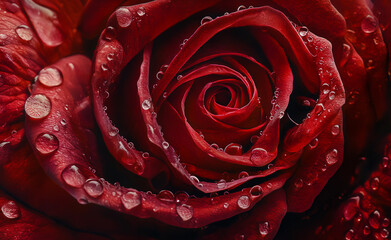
<point>384,233</point>
<point>104,67</point>
<point>241,7</point>
<point>256,191</point>
<point>332,95</point>
<point>244,202</point>
<point>146,105</point>
<point>56,128</point>
<point>37,106</point>
<point>303,31</point>
<point>206,19</point>
<point>50,77</point>
<point>264,228</point>
<point>131,200</point>
<point>110,56</point>
<point>109,33</point>
<point>331,157</point>
<point>233,149</point>
<point>141,11</point>
<point>73,176</point>
<point>368,24</point>
<point>181,197</point>
<point>221,184</point>
<point>179,77</point>
<point>243,174</point>
<point>310,39</point>
<point>349,235</point>
<point>298,183</point>
<point>325,88</point>
<point>185,212</point>
<point>145,155</point>
<point>46,143</point>
<point>24,32</point>
<point>124,17</point>
<point>351,208</point>
<point>258,155</point>
<point>226,205</point>
<point>335,129</point>
<point>165,145</point>
<point>374,219</point>
<point>166,196</point>
<point>94,188</point>
<point>63,122</point>
<point>346,50</point>
<point>374,183</point>
<point>386,222</point>
<point>319,108</point>
<point>367,230</point>
<point>10,210</point>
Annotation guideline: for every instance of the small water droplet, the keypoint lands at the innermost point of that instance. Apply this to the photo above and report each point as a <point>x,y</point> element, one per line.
<point>264,228</point>
<point>145,155</point>
<point>335,129</point>
<point>332,157</point>
<point>146,105</point>
<point>368,24</point>
<point>221,184</point>
<point>310,39</point>
<point>131,200</point>
<point>46,143</point>
<point>50,77</point>
<point>166,196</point>
<point>298,183</point>
<point>124,17</point>
<point>325,88</point>
<point>349,235</point>
<point>206,19</point>
<point>72,176</point>
<point>37,106</point>
<point>332,95</point>
<point>110,56</point>
<point>367,230</point>
<point>346,50</point>
<point>256,191</point>
<point>93,188</point>
<point>104,67</point>
<point>179,77</point>
<point>56,128</point>
<point>226,205</point>
<point>10,210</point>
<point>141,11</point>
<point>374,219</point>
<point>185,212</point>
<point>374,183</point>
<point>244,202</point>
<point>241,7</point>
<point>63,122</point>
<point>258,155</point>
<point>319,108</point>
<point>234,149</point>
<point>181,197</point>
<point>24,32</point>
<point>243,174</point>
<point>109,33</point>
<point>303,31</point>
<point>384,233</point>
<point>165,145</point>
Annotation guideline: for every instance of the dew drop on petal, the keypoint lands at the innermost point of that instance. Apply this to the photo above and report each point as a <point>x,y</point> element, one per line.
<point>244,202</point>
<point>124,17</point>
<point>332,95</point>
<point>109,33</point>
<point>368,24</point>
<point>181,197</point>
<point>141,11</point>
<point>335,129</point>
<point>50,77</point>
<point>24,32</point>
<point>46,143</point>
<point>233,149</point>
<point>241,7</point>
<point>325,88</point>
<point>298,183</point>
<point>384,233</point>
<point>367,230</point>
<point>226,205</point>
<point>73,176</point>
<point>256,191</point>
<point>165,145</point>
<point>314,143</point>
<point>206,19</point>
<point>93,188</point>
<point>37,106</point>
<point>10,210</point>
<point>258,155</point>
<point>146,105</point>
<point>221,184</point>
<point>131,200</point>
<point>264,228</point>
<point>166,195</point>
<point>243,174</point>
<point>349,235</point>
<point>185,212</point>
<point>319,108</point>
<point>303,31</point>
<point>374,183</point>
<point>332,157</point>
<point>374,219</point>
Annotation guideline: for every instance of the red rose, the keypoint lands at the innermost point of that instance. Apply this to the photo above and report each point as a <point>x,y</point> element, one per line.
<point>192,116</point>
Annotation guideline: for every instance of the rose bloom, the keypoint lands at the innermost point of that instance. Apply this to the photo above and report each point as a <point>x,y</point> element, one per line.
<point>195,119</point>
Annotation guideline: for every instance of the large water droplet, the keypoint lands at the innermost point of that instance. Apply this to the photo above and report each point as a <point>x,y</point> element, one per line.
<point>50,77</point>
<point>46,143</point>
<point>185,212</point>
<point>37,106</point>
<point>368,24</point>
<point>206,19</point>
<point>374,219</point>
<point>124,17</point>
<point>233,149</point>
<point>146,105</point>
<point>332,157</point>
<point>131,200</point>
<point>94,188</point>
<point>141,11</point>
<point>24,32</point>
<point>351,208</point>
<point>244,202</point>
<point>258,155</point>
<point>73,176</point>
<point>10,210</point>
<point>181,197</point>
<point>303,31</point>
<point>264,228</point>
<point>319,108</point>
<point>166,196</point>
